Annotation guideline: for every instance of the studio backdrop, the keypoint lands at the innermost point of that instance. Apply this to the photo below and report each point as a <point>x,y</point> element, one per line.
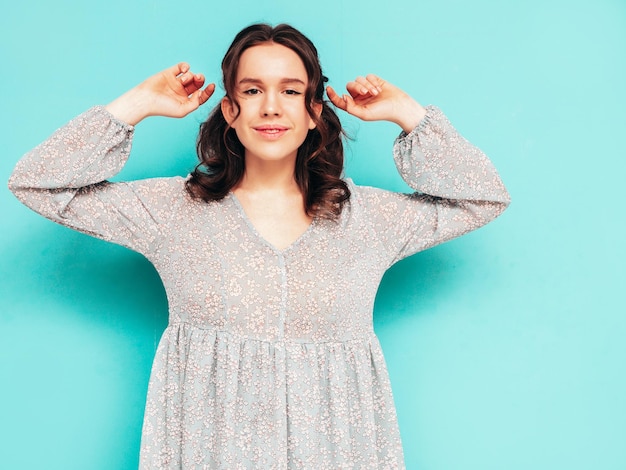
<point>505,347</point>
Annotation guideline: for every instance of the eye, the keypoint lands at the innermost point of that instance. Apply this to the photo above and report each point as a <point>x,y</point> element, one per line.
<point>252,91</point>
<point>292,92</point>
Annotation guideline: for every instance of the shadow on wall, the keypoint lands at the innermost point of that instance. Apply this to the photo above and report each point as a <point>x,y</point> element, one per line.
<point>416,285</point>
<point>62,271</point>
<point>81,319</point>
<point>76,275</point>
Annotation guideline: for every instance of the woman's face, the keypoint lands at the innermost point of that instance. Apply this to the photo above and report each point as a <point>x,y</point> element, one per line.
<point>270,86</point>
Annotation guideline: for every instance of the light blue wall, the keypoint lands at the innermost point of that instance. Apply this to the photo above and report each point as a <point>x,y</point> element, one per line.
<point>506,347</point>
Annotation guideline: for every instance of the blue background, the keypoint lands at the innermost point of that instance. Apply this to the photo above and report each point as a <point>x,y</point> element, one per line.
<point>505,347</point>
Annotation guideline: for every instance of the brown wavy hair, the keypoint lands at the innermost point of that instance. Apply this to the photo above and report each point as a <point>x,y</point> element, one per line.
<point>319,162</point>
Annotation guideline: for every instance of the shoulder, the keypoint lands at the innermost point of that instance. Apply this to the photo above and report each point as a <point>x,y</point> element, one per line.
<point>166,194</point>
<point>368,196</point>
<point>172,187</point>
<point>171,204</point>
<point>369,203</point>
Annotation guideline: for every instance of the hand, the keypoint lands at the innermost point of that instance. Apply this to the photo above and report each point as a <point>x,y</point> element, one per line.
<point>174,92</point>
<point>371,98</point>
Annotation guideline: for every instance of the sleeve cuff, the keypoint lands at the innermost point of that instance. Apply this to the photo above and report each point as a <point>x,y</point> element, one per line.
<point>423,124</point>
<point>102,111</point>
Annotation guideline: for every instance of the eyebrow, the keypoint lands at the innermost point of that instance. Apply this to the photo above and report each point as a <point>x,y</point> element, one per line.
<point>256,81</point>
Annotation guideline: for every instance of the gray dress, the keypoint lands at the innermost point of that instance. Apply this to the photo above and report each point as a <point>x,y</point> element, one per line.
<point>269,360</point>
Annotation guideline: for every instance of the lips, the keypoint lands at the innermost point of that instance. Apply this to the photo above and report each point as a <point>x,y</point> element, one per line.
<point>271,131</point>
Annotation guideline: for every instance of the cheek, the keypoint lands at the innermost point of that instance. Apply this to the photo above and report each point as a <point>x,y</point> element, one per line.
<point>305,118</point>
<point>241,136</point>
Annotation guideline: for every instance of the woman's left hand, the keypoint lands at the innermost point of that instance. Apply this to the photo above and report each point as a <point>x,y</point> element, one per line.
<point>373,99</point>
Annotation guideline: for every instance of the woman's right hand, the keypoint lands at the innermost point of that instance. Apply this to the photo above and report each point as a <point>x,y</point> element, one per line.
<point>174,92</point>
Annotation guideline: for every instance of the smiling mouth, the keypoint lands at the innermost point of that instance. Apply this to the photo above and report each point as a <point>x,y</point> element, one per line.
<point>271,128</point>
<point>271,132</point>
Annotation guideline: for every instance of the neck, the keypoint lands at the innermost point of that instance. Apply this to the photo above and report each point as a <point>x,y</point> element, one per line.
<point>275,176</point>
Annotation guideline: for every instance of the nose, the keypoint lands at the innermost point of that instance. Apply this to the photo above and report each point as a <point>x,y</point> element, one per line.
<point>271,104</point>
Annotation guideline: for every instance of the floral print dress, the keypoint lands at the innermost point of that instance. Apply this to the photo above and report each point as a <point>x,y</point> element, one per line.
<point>269,360</point>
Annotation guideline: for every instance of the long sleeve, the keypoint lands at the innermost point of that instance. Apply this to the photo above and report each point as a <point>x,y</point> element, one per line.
<point>65,180</point>
<point>457,189</point>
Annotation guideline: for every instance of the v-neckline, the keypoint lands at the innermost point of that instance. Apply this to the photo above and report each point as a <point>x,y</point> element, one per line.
<point>265,241</point>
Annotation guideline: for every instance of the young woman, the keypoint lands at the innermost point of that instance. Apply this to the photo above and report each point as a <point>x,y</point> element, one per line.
<point>270,260</point>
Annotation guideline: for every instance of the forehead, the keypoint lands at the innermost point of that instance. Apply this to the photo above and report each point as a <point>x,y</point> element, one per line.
<point>270,61</point>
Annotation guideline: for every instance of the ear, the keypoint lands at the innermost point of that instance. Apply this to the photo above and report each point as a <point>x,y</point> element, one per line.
<point>317,109</point>
<point>229,110</point>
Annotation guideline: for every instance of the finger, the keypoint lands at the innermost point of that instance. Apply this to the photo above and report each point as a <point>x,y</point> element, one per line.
<point>335,98</point>
<point>188,77</point>
<point>195,82</point>
<point>366,86</point>
<point>346,103</point>
<point>355,89</point>
<point>351,107</point>
<point>358,90</point>
<point>195,100</point>
<point>375,81</point>
<point>179,68</point>
<point>204,95</point>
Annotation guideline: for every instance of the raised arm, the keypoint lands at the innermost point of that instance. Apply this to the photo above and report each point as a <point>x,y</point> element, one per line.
<point>457,188</point>
<point>65,177</point>
<point>371,98</point>
<point>173,92</point>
